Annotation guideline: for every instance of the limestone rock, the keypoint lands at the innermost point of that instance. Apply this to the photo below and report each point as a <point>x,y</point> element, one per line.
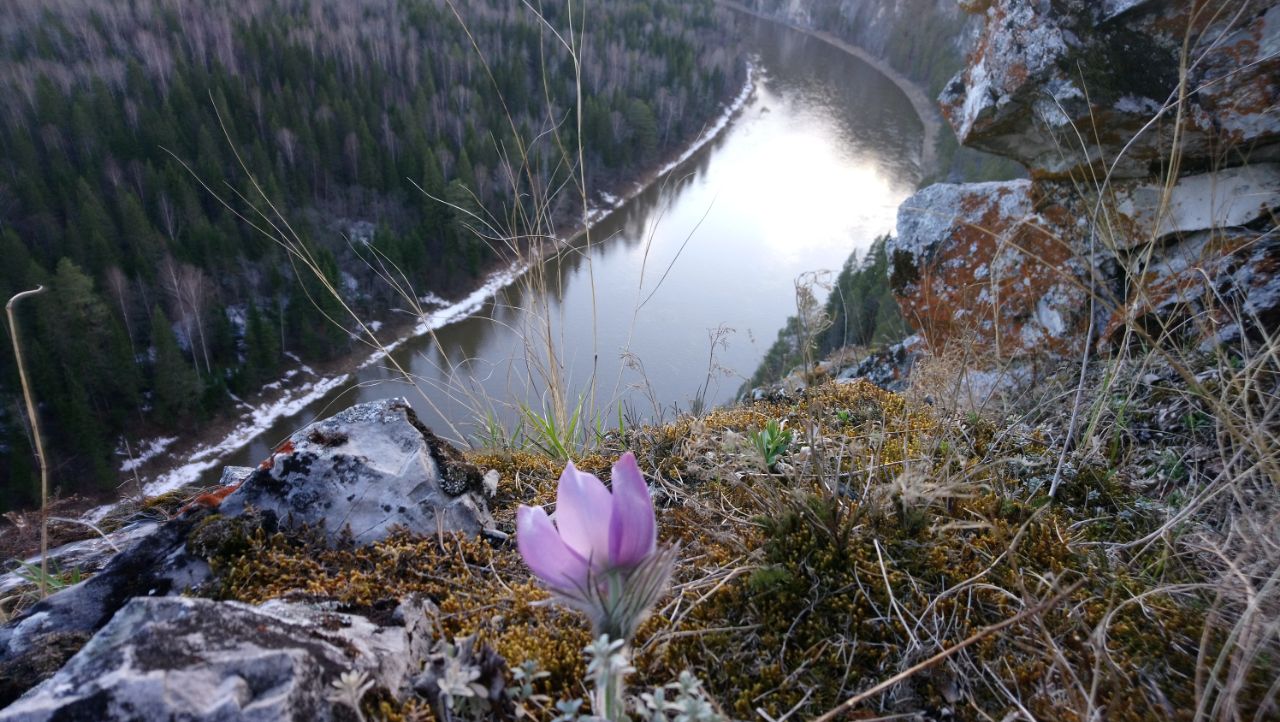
<point>1222,199</point>
<point>989,264</point>
<point>181,658</point>
<point>1060,84</point>
<point>158,565</point>
<point>370,468</point>
<point>889,368</point>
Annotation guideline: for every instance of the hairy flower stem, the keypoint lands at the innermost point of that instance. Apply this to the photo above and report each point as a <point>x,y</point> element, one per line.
<point>611,693</point>
<point>610,663</point>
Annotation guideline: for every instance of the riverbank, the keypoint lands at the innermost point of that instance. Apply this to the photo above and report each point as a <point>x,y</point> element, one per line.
<point>926,108</point>
<point>177,462</point>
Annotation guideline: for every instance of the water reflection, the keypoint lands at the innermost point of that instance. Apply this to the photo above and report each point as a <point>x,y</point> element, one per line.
<point>813,168</point>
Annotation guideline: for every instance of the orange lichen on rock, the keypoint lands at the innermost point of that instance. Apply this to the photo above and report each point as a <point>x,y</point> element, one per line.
<point>284,448</point>
<point>211,500</point>
<point>990,266</point>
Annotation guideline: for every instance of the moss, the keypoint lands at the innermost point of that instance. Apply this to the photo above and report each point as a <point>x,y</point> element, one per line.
<point>909,534</point>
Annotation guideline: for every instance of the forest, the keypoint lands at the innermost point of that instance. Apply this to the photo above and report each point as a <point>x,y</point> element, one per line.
<point>138,138</point>
<point>859,311</point>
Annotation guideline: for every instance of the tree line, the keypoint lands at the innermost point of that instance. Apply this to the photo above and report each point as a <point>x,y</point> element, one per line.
<point>380,128</point>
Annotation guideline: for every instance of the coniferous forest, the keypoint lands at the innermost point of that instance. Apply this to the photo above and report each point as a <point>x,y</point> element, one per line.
<point>351,116</point>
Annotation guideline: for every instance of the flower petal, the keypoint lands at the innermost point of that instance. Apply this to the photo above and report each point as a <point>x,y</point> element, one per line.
<point>551,560</point>
<point>633,531</point>
<point>583,506</point>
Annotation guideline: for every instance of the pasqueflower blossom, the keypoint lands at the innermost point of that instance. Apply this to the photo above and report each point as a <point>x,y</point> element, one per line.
<point>601,555</point>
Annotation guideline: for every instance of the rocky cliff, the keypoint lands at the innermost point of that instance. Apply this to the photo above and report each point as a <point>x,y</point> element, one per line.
<point>1151,131</point>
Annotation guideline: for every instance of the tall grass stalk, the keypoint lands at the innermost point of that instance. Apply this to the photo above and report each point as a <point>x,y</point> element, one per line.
<point>34,419</point>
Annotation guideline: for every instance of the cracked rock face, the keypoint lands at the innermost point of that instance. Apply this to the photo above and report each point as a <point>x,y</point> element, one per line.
<point>1058,84</point>
<point>370,468</point>
<point>1079,91</point>
<point>1208,288</point>
<point>157,565</point>
<point>181,658</point>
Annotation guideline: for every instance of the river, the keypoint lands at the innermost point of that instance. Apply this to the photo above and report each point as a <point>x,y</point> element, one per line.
<point>811,168</point>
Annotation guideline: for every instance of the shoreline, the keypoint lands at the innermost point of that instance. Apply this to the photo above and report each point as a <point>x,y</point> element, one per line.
<point>926,109</point>
<point>208,450</point>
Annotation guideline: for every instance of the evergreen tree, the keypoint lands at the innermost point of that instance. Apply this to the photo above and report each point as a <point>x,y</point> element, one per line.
<point>177,389</point>
<point>262,347</point>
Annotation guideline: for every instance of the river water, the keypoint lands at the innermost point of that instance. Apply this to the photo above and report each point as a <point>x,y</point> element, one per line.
<point>811,168</point>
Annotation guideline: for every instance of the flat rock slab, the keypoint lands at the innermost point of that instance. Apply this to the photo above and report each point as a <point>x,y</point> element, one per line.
<point>179,658</point>
<point>370,468</point>
<point>1221,199</point>
<point>157,565</point>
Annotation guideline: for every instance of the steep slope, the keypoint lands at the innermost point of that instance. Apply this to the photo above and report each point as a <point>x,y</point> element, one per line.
<point>126,119</point>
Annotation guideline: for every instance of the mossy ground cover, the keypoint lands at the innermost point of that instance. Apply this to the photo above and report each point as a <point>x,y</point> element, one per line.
<point>888,533</point>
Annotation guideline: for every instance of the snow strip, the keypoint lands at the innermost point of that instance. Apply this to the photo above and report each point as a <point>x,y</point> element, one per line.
<point>146,452</point>
<point>253,423</point>
<point>500,280</point>
<point>473,302</point>
<point>251,426</point>
<point>611,203</point>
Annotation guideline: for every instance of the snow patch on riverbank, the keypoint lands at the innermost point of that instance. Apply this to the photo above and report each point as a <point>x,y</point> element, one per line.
<point>148,451</point>
<point>252,424</point>
<point>721,123</point>
<point>468,306</point>
<point>610,203</point>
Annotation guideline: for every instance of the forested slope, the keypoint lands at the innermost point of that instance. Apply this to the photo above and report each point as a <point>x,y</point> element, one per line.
<point>163,303</point>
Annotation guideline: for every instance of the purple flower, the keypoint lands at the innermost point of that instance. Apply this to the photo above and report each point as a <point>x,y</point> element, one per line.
<point>601,555</point>
<point>595,530</point>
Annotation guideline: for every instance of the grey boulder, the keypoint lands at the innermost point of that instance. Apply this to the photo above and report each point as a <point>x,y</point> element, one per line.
<point>369,468</point>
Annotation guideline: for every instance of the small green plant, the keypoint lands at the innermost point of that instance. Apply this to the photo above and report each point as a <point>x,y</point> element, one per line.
<point>683,701</point>
<point>458,680</point>
<point>492,434</point>
<point>772,441</point>
<point>54,579</point>
<point>1197,421</point>
<point>568,710</point>
<point>608,665</point>
<point>556,439</point>
<point>526,702</point>
<point>38,585</point>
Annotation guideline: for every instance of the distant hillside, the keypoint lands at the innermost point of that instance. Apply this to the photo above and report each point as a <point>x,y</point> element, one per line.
<point>164,301</point>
